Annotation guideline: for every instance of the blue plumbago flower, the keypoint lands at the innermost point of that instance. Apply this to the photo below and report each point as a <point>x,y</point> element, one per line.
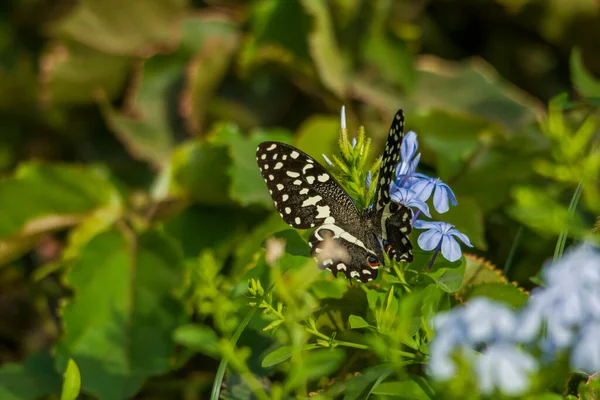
<point>353,142</point>
<point>505,368</point>
<point>465,329</point>
<point>409,159</point>
<point>586,354</point>
<point>368,180</point>
<point>409,199</point>
<point>441,236</point>
<point>442,194</point>
<point>327,160</point>
<point>570,299</point>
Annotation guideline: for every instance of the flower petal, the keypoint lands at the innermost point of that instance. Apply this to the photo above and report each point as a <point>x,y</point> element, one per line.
<point>461,236</point>
<point>420,224</point>
<point>440,199</point>
<point>327,160</point>
<point>450,249</point>
<point>429,240</point>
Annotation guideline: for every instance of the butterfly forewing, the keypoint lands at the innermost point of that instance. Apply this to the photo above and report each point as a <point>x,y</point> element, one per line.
<point>391,157</point>
<point>303,192</point>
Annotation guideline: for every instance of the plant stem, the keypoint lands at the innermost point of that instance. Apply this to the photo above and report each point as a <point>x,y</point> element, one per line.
<point>216,389</point>
<point>512,251</point>
<point>562,238</point>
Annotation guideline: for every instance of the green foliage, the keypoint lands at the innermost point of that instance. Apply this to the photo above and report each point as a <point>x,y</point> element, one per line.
<point>139,245</point>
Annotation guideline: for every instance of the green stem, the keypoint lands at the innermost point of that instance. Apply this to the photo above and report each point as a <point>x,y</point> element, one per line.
<point>513,249</point>
<point>400,275</point>
<point>216,389</point>
<point>562,238</point>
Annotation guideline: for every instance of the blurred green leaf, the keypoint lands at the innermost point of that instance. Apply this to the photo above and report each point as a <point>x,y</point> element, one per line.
<point>318,135</point>
<point>41,198</point>
<point>584,82</point>
<point>119,326</point>
<point>330,289</point>
<point>315,364</point>
<point>503,292</point>
<point>540,211</point>
<point>447,275</point>
<point>284,353</point>
<point>357,322</point>
<point>74,73</point>
<point>199,338</point>
<point>127,28</point>
<point>467,216</point>
<point>29,380</point>
<point>247,184</point>
<point>472,88</point>
<point>199,171</point>
<point>71,382</point>
<point>409,389</point>
<point>324,48</point>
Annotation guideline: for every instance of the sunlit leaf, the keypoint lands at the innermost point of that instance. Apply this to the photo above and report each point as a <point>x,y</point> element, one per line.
<point>583,80</point>
<point>118,328</point>
<point>71,382</point>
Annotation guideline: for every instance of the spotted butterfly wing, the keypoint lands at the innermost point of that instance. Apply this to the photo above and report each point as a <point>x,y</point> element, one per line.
<point>392,220</point>
<point>307,196</point>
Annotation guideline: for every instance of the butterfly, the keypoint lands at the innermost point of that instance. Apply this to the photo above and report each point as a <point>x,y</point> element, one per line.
<point>307,196</point>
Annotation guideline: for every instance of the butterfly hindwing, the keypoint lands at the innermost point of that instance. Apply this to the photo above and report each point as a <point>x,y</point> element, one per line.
<point>390,158</point>
<point>338,251</point>
<point>398,228</point>
<point>303,192</point>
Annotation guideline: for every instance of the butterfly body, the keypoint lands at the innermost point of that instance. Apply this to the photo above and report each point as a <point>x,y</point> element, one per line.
<point>345,239</point>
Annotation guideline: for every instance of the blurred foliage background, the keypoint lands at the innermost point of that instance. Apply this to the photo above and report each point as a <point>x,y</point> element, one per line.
<point>127,139</point>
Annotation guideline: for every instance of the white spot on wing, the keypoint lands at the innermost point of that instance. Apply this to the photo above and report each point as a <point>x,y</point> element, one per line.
<point>278,165</point>
<point>341,267</point>
<point>323,178</point>
<point>310,179</point>
<point>285,197</point>
<point>304,191</point>
<point>271,177</point>
<point>288,210</point>
<point>271,147</point>
<point>292,174</point>
<point>294,154</point>
<point>297,220</point>
<point>311,201</point>
<point>297,182</point>
<point>354,274</point>
<point>279,186</point>
<point>323,211</point>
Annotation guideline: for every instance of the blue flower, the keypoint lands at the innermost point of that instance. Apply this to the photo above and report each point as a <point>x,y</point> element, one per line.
<point>505,368</point>
<point>409,158</point>
<point>409,199</point>
<point>570,299</point>
<point>368,180</point>
<point>353,142</point>
<point>442,195</point>
<point>441,236</point>
<point>586,354</point>
<point>466,329</point>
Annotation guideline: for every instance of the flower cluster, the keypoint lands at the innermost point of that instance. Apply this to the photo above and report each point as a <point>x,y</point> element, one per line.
<point>561,318</point>
<point>413,190</point>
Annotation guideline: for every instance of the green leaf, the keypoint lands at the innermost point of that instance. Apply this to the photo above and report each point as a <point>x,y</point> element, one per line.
<point>284,353</point>
<point>199,338</point>
<point>409,389</point>
<point>472,87</point>
<point>503,292</point>
<point>330,289</point>
<point>30,379</point>
<point>447,275</point>
<point>318,135</point>
<point>199,171</point>
<point>127,28</point>
<point>119,326</point>
<point>357,322</point>
<point>72,382</point>
<point>75,73</point>
<point>42,198</point>
<point>538,210</point>
<point>315,365</point>
<point>582,79</point>
<point>324,48</point>
<point>247,184</point>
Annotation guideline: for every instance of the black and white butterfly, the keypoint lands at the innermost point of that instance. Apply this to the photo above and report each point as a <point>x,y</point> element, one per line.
<point>307,196</point>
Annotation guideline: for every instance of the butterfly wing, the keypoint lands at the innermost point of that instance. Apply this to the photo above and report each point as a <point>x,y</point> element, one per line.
<point>303,192</point>
<point>391,158</point>
<point>306,196</point>
<point>338,250</point>
<point>392,220</point>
